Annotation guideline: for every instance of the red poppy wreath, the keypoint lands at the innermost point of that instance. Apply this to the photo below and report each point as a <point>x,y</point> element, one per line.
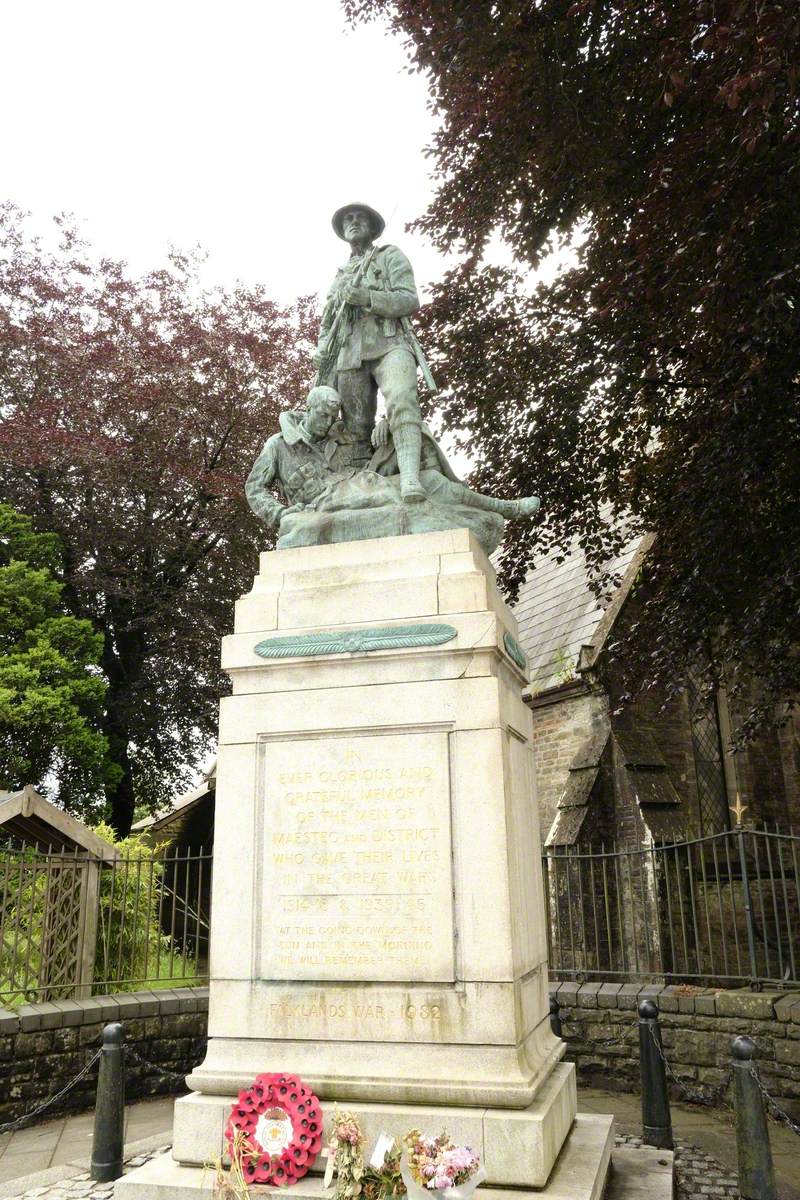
<point>275,1130</point>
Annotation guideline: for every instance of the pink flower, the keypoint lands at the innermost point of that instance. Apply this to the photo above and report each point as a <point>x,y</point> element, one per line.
<point>437,1164</point>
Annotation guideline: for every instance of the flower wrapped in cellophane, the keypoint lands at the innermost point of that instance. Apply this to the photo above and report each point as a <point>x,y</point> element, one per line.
<point>435,1166</point>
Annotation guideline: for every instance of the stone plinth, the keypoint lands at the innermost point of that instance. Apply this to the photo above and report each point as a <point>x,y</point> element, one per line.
<point>378,920</point>
<point>517,1146</point>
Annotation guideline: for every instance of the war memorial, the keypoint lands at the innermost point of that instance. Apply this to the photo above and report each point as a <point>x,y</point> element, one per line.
<point>378,921</point>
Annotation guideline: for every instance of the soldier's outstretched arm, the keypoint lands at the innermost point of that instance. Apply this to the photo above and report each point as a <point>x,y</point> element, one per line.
<point>398,297</point>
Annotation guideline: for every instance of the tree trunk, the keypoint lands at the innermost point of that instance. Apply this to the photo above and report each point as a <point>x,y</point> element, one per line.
<point>120,795</point>
<point>123,655</point>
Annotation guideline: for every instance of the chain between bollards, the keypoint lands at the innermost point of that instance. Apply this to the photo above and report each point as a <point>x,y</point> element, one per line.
<point>656,1118</point>
<point>756,1173</point>
<point>109,1112</point>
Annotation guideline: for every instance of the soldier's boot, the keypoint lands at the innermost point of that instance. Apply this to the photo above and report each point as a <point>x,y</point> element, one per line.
<point>408,446</point>
<point>525,507</point>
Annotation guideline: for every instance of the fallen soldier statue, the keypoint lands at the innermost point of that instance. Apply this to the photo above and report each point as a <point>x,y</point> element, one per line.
<point>328,497</point>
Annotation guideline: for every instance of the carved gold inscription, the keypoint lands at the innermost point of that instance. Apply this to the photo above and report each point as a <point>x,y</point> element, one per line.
<point>357,871</point>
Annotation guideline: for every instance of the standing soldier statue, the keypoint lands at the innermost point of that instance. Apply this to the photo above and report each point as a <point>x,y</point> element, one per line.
<point>366,342</point>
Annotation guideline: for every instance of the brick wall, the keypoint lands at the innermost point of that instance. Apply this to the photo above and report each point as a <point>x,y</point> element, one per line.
<point>560,728</point>
<point>764,767</point>
<point>697,1026</point>
<point>43,1046</point>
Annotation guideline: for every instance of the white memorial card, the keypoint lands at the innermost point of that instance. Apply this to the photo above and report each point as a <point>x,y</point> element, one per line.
<point>382,1146</point>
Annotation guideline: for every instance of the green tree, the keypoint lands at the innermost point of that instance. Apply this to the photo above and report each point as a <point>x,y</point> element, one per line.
<point>131,411</point>
<point>656,378</point>
<point>51,687</point>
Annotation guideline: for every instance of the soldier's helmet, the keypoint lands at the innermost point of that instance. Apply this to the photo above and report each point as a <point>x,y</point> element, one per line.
<point>377,221</point>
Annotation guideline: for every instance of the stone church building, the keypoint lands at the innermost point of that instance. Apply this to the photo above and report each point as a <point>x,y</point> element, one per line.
<point>651,770</point>
<point>663,856</point>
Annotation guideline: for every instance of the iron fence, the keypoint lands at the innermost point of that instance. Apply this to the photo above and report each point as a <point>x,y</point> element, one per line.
<point>721,910</point>
<point>72,926</point>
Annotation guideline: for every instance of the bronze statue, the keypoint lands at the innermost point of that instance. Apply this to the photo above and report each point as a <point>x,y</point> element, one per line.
<point>366,341</point>
<point>328,498</point>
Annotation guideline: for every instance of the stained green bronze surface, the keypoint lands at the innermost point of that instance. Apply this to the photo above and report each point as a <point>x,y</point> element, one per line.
<point>515,651</point>
<point>340,474</point>
<point>355,641</point>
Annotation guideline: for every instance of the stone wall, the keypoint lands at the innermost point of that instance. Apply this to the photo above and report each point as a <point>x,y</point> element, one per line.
<point>697,1026</point>
<point>44,1046</point>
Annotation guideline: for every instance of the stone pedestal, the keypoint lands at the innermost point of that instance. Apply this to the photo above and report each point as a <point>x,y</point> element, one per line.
<point>377,911</point>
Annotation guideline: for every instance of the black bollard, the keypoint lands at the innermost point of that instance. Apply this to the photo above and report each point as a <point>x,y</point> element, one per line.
<point>756,1174</point>
<point>555,1017</point>
<point>656,1119</point>
<point>109,1109</point>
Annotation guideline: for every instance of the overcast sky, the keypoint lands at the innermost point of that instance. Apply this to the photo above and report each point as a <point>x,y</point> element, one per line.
<point>239,125</point>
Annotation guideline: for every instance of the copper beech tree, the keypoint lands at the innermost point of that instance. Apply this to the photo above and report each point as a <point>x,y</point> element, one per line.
<point>655,378</point>
<point>131,410</point>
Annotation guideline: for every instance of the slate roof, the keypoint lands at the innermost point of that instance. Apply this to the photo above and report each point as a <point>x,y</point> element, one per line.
<point>172,818</point>
<point>647,776</point>
<point>558,613</point>
<point>29,818</point>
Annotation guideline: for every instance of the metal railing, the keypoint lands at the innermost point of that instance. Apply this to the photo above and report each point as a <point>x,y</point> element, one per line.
<point>72,926</point>
<point>719,910</point>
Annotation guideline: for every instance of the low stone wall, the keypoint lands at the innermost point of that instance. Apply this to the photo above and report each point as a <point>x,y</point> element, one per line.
<point>697,1025</point>
<point>44,1046</point>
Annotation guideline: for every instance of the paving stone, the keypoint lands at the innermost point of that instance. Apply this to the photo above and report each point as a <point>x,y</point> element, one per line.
<point>627,996</point>
<point>759,1006</point>
<point>669,1000</point>
<point>129,1007</point>
<point>29,1017</point>
<point>706,1003</point>
<point>607,996</point>
<point>587,995</point>
<point>697,1175</point>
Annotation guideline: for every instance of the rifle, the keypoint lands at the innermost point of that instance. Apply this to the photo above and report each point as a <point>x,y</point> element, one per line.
<point>419,355</point>
<point>327,367</point>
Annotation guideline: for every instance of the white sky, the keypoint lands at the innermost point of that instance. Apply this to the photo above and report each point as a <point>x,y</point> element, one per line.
<point>239,125</point>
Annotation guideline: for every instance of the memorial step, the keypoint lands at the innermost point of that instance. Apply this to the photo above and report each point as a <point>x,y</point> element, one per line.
<point>579,1174</point>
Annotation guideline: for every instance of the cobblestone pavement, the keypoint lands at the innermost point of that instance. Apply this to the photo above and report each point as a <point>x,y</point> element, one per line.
<point>81,1187</point>
<point>698,1176</point>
